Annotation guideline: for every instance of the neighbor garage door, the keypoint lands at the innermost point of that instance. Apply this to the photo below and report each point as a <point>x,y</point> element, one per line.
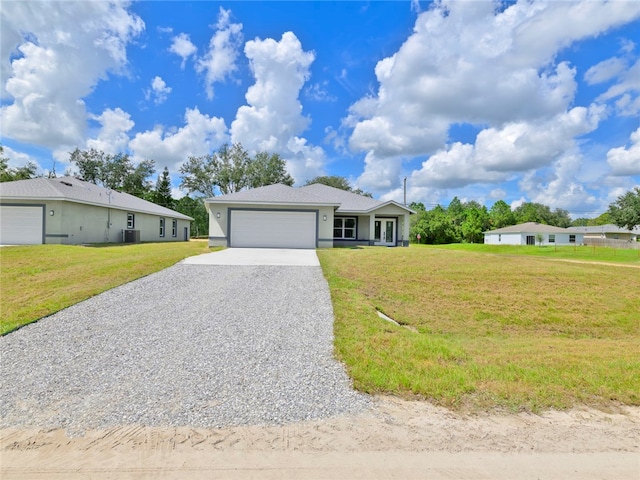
<point>20,225</point>
<point>273,229</point>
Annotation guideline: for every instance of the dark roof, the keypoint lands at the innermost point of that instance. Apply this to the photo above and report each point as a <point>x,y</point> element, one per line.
<point>74,190</point>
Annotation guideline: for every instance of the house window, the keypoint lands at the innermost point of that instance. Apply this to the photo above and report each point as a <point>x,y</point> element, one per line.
<point>499,237</point>
<point>572,239</point>
<point>174,228</point>
<point>344,227</point>
<point>162,227</point>
<point>131,220</point>
<point>552,238</point>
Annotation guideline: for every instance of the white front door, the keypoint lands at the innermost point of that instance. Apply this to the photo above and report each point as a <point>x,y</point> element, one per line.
<point>385,231</point>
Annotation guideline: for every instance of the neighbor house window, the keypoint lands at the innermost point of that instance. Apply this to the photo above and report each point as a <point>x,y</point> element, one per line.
<point>499,237</point>
<point>572,239</point>
<point>162,227</point>
<point>552,238</point>
<point>131,220</point>
<point>174,228</point>
<point>344,227</point>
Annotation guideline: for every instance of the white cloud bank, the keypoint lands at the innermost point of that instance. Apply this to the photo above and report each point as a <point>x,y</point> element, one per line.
<point>55,68</point>
<point>493,67</point>
<point>273,120</point>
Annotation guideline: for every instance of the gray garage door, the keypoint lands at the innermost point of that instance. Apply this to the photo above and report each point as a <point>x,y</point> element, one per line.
<point>20,225</point>
<point>273,229</point>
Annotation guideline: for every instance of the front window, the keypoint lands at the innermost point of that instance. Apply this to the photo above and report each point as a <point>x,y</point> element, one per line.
<point>552,238</point>
<point>572,239</point>
<point>131,220</point>
<point>174,228</point>
<point>344,227</point>
<point>162,227</point>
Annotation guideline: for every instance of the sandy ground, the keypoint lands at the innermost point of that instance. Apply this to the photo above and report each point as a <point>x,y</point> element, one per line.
<point>396,439</point>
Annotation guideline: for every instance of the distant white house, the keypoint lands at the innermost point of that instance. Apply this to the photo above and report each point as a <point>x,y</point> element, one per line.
<point>70,211</point>
<point>529,233</point>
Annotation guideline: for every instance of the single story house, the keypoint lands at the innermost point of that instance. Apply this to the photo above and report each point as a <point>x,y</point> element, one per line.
<point>529,233</point>
<point>67,210</point>
<point>609,232</point>
<point>313,216</point>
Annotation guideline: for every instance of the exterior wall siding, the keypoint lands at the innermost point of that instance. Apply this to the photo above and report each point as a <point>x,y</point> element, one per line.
<point>76,223</point>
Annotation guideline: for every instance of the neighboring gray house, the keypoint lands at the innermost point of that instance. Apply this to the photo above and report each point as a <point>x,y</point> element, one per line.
<point>70,211</point>
<point>279,216</point>
<point>609,232</point>
<point>528,233</point>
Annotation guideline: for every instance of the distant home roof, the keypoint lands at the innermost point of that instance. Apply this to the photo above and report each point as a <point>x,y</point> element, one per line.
<point>74,190</point>
<point>315,194</point>
<point>529,227</point>
<point>609,228</point>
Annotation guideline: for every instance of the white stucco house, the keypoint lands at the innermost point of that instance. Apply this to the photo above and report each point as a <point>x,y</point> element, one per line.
<point>67,210</point>
<point>528,234</point>
<point>313,216</point>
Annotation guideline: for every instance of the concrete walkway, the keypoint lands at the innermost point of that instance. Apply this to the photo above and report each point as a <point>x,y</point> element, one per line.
<point>257,256</point>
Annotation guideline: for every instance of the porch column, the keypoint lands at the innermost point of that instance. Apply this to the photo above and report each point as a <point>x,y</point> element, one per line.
<point>405,230</point>
<point>372,226</point>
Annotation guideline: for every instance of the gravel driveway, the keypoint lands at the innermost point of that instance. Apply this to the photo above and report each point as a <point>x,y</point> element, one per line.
<point>192,345</point>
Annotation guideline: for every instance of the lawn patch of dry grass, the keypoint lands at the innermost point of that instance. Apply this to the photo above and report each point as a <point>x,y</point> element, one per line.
<point>39,280</point>
<point>492,330</point>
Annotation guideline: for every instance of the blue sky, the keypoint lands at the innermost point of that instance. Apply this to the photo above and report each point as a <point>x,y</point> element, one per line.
<point>519,101</point>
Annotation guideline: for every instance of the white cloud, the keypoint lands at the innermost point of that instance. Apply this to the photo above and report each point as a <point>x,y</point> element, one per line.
<point>220,60</point>
<point>170,147</point>
<point>605,70</point>
<point>183,47</point>
<point>476,63</point>
<point>158,91</point>
<point>626,161</point>
<point>113,136</point>
<point>627,88</point>
<point>272,120</point>
<point>559,188</point>
<point>57,67</point>
<point>17,159</point>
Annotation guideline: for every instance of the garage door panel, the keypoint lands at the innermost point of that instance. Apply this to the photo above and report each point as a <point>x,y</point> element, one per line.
<point>273,229</point>
<point>20,225</point>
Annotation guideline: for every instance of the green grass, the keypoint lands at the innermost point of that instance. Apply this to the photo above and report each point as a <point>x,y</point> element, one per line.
<point>491,328</point>
<point>578,252</point>
<point>39,280</point>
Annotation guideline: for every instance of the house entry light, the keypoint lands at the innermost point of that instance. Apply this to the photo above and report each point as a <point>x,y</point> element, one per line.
<point>324,217</point>
<point>51,212</point>
<point>218,215</point>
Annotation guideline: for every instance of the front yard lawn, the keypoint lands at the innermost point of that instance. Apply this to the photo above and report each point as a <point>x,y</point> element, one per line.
<point>38,280</point>
<point>488,330</point>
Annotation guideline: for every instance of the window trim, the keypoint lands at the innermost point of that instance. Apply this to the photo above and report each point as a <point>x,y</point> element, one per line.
<point>131,220</point>
<point>342,228</point>
<point>162,227</point>
<point>552,238</point>
<point>572,238</point>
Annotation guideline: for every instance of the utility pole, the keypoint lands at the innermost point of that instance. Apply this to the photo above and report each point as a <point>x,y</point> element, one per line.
<point>405,191</point>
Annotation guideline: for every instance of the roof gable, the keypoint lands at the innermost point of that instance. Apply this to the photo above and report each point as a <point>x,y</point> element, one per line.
<point>75,190</point>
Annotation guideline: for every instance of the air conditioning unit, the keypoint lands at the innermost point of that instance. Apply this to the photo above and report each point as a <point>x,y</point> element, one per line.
<point>132,236</point>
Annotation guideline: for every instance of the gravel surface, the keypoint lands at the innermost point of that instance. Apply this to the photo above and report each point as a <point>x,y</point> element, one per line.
<point>192,345</point>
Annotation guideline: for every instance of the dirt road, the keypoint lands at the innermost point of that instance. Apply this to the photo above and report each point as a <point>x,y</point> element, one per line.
<point>397,439</point>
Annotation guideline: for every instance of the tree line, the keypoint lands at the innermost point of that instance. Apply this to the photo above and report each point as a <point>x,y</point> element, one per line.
<point>231,169</point>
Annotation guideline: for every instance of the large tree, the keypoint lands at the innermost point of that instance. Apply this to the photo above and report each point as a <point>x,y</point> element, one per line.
<point>625,211</point>
<point>231,169</point>
<point>162,193</point>
<point>501,215</point>
<point>114,171</point>
<point>338,182</point>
